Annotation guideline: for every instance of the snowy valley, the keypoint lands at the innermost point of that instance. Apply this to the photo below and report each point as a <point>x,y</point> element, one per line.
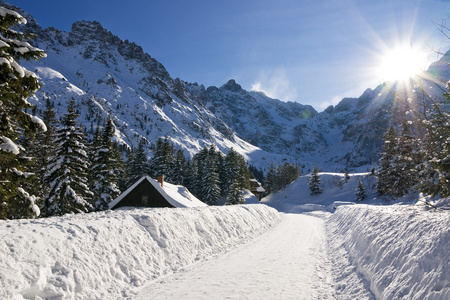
<point>316,247</point>
<point>108,76</point>
<point>342,239</point>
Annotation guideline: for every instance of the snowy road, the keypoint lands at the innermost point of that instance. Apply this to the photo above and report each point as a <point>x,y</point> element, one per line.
<point>288,262</point>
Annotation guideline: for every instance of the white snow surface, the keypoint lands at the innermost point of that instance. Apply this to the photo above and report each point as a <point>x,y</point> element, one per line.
<point>8,146</point>
<point>287,262</point>
<point>377,250</point>
<point>109,255</point>
<point>400,252</point>
<point>316,247</point>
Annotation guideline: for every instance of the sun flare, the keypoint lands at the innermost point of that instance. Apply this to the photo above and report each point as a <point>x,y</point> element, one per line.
<point>401,63</point>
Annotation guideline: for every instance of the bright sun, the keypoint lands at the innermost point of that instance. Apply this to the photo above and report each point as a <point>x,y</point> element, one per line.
<point>401,63</point>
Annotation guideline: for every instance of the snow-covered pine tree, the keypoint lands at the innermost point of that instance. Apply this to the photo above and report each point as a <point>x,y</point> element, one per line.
<point>236,177</point>
<point>270,179</point>
<point>231,170</point>
<point>435,169</point>
<point>191,177</point>
<point>41,149</point>
<point>407,159</point>
<point>179,168</point>
<point>16,85</point>
<point>360,191</point>
<point>67,170</point>
<point>137,164</point>
<point>397,168</point>
<point>287,173</point>
<point>314,182</point>
<point>163,159</point>
<point>386,172</point>
<point>235,194</point>
<point>208,176</point>
<point>105,168</point>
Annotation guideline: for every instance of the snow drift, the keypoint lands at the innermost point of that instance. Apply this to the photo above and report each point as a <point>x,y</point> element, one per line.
<point>108,255</point>
<point>402,251</point>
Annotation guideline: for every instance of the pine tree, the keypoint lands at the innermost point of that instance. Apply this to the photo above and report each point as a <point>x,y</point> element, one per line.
<point>179,168</point>
<point>360,192</point>
<point>137,165</point>
<point>397,169</point>
<point>286,174</point>
<point>235,194</point>
<point>42,149</point>
<point>235,174</point>
<point>191,178</point>
<point>16,85</point>
<point>67,173</point>
<point>435,169</point>
<point>208,176</point>
<point>105,168</point>
<point>314,182</point>
<point>386,171</point>
<point>163,160</point>
<point>270,180</point>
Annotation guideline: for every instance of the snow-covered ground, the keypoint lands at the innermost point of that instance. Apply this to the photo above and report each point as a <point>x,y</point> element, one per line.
<point>109,255</point>
<point>318,247</point>
<point>399,252</point>
<point>376,250</point>
<point>287,262</point>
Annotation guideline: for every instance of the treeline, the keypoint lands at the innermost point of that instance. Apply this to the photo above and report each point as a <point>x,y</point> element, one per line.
<point>280,176</point>
<point>209,175</point>
<point>72,174</point>
<point>416,152</point>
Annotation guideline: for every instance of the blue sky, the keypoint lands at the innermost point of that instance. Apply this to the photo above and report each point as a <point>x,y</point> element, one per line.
<point>312,52</point>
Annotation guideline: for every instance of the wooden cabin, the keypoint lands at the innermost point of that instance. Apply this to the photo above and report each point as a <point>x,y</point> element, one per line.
<point>256,188</point>
<point>148,192</point>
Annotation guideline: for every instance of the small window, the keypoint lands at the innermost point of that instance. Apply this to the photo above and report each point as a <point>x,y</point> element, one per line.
<point>144,200</point>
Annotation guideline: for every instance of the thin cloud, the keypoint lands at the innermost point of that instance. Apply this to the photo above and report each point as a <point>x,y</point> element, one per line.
<point>276,85</point>
<point>334,101</point>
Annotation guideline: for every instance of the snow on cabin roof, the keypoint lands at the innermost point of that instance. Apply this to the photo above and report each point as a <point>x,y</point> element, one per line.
<point>260,189</point>
<point>179,196</point>
<point>176,195</point>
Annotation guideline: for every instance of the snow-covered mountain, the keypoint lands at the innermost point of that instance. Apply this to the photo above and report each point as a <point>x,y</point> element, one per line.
<point>108,76</point>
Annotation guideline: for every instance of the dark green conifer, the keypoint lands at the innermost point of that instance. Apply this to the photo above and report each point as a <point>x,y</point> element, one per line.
<point>67,170</point>
<point>16,85</point>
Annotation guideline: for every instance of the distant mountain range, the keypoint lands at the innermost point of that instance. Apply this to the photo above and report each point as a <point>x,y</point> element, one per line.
<point>108,76</point>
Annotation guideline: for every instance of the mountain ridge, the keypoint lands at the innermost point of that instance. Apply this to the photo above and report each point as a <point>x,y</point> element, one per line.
<point>110,76</point>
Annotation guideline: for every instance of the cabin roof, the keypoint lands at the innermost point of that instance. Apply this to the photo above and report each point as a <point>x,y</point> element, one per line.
<point>176,195</point>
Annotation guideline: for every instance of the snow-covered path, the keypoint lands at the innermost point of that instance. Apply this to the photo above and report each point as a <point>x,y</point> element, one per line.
<point>287,262</point>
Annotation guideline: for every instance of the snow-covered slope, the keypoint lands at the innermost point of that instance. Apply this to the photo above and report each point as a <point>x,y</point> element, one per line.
<point>110,76</point>
<point>297,198</point>
<point>109,255</point>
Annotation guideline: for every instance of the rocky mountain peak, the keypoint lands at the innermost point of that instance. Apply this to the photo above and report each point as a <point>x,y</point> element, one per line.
<point>92,31</point>
<point>232,86</point>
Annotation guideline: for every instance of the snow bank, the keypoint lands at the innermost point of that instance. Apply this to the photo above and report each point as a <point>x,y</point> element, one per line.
<point>297,198</point>
<point>108,255</point>
<point>402,252</point>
